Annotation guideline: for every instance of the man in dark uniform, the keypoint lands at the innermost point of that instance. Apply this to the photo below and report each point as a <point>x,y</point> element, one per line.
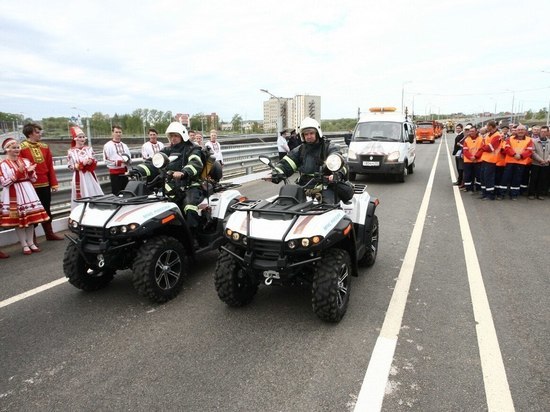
<point>309,157</point>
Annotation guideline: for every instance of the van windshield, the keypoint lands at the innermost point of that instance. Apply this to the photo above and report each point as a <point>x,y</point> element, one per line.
<point>378,131</point>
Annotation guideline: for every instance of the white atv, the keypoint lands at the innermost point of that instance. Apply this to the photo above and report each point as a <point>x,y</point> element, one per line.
<point>143,229</point>
<point>299,238</point>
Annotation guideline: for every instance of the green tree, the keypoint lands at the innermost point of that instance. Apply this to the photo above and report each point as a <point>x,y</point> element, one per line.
<point>541,114</point>
<point>237,122</point>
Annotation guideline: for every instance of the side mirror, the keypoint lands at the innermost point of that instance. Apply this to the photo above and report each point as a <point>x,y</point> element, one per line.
<point>347,138</point>
<point>411,138</point>
<point>265,160</point>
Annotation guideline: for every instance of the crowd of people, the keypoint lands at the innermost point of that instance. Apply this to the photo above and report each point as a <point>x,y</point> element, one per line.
<point>28,178</point>
<point>505,163</point>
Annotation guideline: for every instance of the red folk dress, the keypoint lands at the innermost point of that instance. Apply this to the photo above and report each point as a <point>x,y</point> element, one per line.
<point>20,204</point>
<point>85,182</point>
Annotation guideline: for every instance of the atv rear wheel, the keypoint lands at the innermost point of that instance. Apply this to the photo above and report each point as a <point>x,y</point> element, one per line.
<point>159,269</point>
<point>371,246</point>
<point>233,285</point>
<point>331,285</point>
<point>81,275</point>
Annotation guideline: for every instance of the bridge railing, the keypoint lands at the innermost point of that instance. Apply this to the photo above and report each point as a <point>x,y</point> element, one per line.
<point>239,160</point>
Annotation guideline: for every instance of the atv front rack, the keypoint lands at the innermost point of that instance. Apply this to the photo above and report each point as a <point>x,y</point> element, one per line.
<point>283,206</point>
<point>120,201</point>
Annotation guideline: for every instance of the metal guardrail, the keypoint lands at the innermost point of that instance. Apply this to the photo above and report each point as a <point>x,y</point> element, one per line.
<point>239,160</point>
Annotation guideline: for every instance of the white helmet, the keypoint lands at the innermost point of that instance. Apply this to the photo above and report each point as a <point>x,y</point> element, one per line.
<point>177,127</point>
<point>309,123</point>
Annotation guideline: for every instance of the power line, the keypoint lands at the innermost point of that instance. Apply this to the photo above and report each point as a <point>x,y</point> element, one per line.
<point>478,94</point>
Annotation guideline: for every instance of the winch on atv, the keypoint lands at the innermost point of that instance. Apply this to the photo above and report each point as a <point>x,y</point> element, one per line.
<point>295,239</point>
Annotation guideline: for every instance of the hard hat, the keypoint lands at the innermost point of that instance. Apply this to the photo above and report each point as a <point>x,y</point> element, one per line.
<point>177,127</point>
<point>309,123</point>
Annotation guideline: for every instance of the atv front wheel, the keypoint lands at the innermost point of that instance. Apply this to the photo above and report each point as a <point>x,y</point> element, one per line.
<point>80,274</point>
<point>159,269</point>
<point>233,285</point>
<point>371,246</point>
<point>331,285</point>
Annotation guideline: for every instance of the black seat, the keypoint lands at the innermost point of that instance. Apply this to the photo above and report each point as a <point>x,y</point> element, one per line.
<point>291,194</point>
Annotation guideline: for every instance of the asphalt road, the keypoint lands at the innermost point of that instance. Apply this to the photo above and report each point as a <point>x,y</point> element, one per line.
<point>64,349</point>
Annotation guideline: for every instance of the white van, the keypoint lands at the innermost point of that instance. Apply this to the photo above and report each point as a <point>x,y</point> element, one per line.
<point>383,142</point>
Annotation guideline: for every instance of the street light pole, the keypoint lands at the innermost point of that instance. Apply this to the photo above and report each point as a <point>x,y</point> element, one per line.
<point>279,120</point>
<point>403,95</point>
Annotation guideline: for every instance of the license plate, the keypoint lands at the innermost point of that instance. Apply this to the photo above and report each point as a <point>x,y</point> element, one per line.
<point>371,163</point>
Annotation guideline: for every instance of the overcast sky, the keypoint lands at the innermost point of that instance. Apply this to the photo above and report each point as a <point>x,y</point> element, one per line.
<point>193,56</point>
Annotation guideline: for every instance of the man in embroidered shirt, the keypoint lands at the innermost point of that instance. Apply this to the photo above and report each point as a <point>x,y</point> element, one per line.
<point>152,146</point>
<point>112,154</point>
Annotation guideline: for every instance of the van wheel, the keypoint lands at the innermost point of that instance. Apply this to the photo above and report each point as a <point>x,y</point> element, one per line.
<point>410,169</point>
<point>352,175</point>
<point>401,176</point>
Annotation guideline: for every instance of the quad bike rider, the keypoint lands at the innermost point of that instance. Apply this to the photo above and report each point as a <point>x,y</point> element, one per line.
<point>144,228</point>
<point>314,233</point>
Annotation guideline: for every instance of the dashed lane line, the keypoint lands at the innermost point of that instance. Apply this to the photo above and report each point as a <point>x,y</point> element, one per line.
<point>32,292</point>
<point>371,394</point>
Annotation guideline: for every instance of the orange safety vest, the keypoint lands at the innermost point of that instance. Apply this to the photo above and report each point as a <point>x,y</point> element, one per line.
<point>492,157</point>
<point>501,160</point>
<point>472,146</point>
<point>519,146</point>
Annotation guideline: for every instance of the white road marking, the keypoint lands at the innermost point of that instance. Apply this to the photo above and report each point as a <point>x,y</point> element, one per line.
<point>32,292</point>
<point>371,394</point>
<point>497,390</point>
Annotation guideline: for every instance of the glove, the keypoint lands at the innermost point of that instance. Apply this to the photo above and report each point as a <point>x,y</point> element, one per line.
<point>133,172</point>
<point>276,177</point>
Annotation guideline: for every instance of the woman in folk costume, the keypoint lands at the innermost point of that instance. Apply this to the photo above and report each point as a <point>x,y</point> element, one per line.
<point>82,162</point>
<point>21,207</point>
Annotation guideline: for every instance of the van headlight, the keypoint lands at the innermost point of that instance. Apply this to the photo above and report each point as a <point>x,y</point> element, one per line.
<point>393,157</point>
<point>352,155</point>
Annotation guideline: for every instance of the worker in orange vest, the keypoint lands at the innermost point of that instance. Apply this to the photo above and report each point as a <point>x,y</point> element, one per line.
<point>472,152</point>
<point>491,149</point>
<point>519,149</point>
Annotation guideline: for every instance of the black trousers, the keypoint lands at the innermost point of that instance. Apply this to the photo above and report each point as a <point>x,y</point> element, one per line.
<point>118,182</point>
<point>45,196</point>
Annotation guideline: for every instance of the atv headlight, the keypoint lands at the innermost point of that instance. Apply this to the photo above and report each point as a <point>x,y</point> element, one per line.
<point>123,229</point>
<point>305,242</point>
<point>334,162</point>
<point>160,160</point>
<point>393,156</point>
<point>73,224</point>
<point>236,236</point>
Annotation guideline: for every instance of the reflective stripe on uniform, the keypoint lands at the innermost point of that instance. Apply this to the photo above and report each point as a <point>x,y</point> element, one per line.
<point>290,162</point>
<point>192,208</point>
<point>192,168</point>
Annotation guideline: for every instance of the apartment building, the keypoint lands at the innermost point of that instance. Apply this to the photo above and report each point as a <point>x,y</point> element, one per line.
<point>291,111</point>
